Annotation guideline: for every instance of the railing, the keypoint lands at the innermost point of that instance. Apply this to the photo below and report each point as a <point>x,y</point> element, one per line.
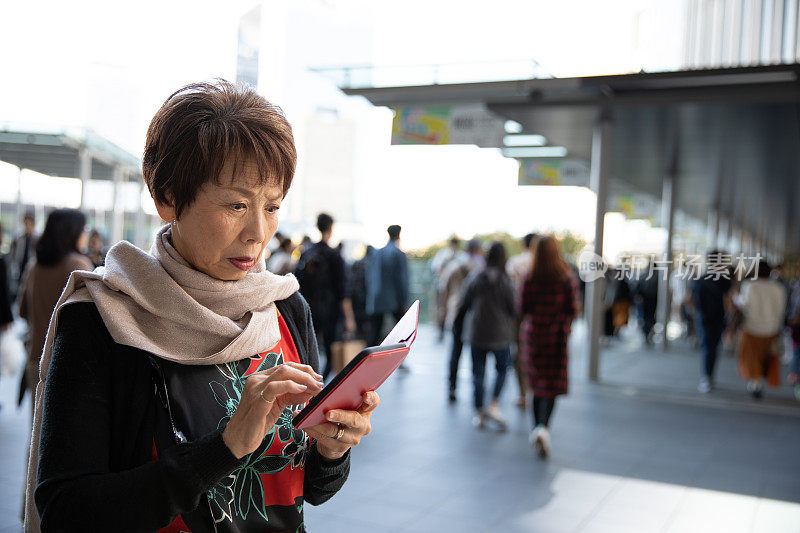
<point>369,76</point>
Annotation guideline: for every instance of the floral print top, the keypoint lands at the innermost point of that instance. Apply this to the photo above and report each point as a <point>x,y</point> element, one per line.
<point>266,492</point>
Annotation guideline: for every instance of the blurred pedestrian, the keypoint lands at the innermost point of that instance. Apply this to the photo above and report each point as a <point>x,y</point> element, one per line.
<point>357,291</point>
<point>6,316</point>
<point>682,297</point>
<point>619,300</point>
<point>549,302</point>
<point>455,275</point>
<point>97,250</point>
<point>646,297</point>
<point>439,265</point>
<point>518,268</point>
<point>57,255</point>
<point>763,303</point>
<point>487,304</point>
<point>794,325</point>
<point>709,295</point>
<point>321,274</point>
<point>22,252</point>
<point>387,284</point>
<point>280,262</point>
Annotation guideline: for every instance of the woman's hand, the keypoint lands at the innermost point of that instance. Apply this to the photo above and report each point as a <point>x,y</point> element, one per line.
<point>266,394</point>
<point>344,429</point>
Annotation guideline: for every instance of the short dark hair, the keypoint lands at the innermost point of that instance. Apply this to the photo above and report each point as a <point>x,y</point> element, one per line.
<point>29,215</point>
<point>324,222</point>
<point>455,241</point>
<point>394,232</point>
<point>474,245</point>
<point>60,236</point>
<point>526,240</point>
<point>200,127</point>
<point>286,244</point>
<point>763,270</point>
<point>496,256</point>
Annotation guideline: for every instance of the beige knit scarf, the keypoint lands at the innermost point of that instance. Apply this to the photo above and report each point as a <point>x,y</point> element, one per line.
<point>159,303</point>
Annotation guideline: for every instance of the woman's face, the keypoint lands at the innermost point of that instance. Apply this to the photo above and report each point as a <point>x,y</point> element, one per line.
<point>226,228</point>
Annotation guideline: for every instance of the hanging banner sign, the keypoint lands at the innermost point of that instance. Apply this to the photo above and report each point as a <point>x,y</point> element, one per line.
<point>543,171</point>
<point>635,206</point>
<point>458,124</point>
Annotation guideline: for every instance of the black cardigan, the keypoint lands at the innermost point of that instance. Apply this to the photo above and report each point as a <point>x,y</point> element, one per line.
<point>95,468</point>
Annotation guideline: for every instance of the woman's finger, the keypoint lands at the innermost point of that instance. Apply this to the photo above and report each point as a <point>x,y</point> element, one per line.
<point>286,372</point>
<point>304,368</point>
<point>370,400</point>
<point>352,419</point>
<point>348,438</point>
<point>270,392</point>
<point>289,371</point>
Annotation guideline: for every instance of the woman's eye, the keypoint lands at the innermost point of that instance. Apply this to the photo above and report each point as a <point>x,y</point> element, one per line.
<point>238,206</point>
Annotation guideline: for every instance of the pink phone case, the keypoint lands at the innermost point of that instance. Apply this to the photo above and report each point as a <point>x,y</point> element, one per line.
<point>366,375</point>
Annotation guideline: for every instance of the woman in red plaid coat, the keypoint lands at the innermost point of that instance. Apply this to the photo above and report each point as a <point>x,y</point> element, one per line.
<point>548,305</point>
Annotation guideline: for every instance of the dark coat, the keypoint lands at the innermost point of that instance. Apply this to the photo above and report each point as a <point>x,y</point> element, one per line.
<point>95,468</point>
<point>548,308</point>
<point>487,304</point>
<point>387,280</point>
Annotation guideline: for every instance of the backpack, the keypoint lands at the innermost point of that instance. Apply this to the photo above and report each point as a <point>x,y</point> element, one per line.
<point>313,272</point>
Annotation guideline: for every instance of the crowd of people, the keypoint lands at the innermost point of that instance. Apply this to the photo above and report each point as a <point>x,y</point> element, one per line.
<point>35,271</point>
<point>747,310</point>
<point>348,299</point>
<point>525,303</point>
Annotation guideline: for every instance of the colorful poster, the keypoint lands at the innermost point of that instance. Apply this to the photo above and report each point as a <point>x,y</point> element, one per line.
<point>544,171</point>
<point>635,205</point>
<point>461,124</point>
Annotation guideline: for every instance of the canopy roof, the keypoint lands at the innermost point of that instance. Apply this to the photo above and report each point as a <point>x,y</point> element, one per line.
<point>731,136</point>
<point>56,152</point>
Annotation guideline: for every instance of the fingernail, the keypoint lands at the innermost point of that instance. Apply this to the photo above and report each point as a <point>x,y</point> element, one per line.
<point>331,416</point>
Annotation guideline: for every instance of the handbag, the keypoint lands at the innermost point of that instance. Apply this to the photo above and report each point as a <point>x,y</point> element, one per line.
<point>343,351</point>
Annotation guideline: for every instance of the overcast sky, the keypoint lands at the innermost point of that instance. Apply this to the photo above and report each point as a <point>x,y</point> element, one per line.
<point>109,65</point>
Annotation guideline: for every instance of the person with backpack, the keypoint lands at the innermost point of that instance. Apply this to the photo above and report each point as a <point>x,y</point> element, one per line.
<point>487,306</point>
<point>321,274</point>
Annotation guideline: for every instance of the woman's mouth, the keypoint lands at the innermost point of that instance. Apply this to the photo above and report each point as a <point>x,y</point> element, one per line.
<point>242,263</point>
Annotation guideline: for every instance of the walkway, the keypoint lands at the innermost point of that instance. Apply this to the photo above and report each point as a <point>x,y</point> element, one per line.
<point>625,459</point>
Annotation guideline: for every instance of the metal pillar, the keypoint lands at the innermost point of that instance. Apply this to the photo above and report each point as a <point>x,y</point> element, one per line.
<point>138,231</point>
<point>601,151</point>
<point>18,221</point>
<point>117,209</point>
<point>668,217</point>
<point>85,171</point>
<point>713,228</point>
<point>724,234</point>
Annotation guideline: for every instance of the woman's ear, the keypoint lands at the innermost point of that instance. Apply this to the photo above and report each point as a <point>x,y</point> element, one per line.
<point>166,210</point>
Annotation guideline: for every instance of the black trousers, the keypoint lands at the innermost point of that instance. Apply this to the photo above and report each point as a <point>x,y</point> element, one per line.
<point>455,357</point>
<point>711,335</point>
<point>325,331</point>
<point>376,325</point>
<point>542,410</point>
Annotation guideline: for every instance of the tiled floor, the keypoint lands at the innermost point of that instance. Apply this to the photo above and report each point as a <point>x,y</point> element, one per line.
<point>654,456</point>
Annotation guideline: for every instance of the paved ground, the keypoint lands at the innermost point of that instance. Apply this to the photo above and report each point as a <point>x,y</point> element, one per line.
<point>645,455</point>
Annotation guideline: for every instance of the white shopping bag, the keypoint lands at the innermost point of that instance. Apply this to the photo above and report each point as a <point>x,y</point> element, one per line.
<point>12,353</point>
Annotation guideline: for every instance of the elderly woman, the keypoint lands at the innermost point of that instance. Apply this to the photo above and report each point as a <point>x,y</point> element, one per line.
<point>169,378</point>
